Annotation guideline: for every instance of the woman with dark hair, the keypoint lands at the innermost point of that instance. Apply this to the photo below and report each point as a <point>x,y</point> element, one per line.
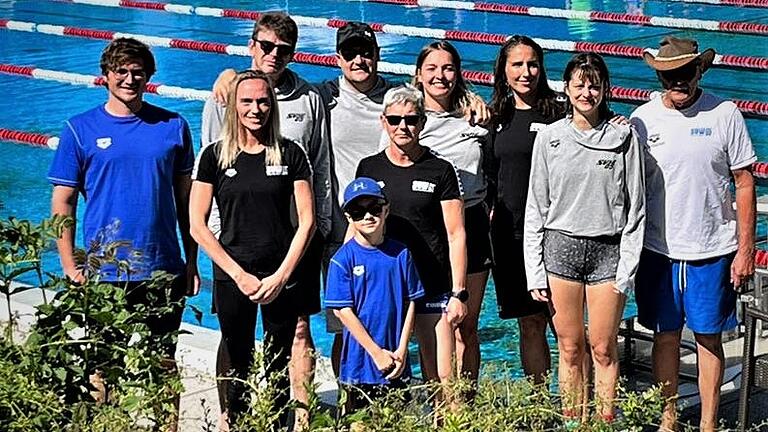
<point>522,103</point>
<point>449,132</point>
<point>583,230</point>
<point>253,173</point>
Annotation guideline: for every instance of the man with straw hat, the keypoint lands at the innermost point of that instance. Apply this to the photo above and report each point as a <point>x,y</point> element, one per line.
<point>698,250</point>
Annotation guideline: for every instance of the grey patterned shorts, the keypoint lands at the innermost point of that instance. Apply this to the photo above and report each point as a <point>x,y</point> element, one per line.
<point>591,260</point>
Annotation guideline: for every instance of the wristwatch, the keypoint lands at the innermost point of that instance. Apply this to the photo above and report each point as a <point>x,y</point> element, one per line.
<point>462,295</point>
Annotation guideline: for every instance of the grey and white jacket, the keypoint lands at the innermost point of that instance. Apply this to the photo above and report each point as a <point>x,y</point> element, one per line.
<point>586,184</point>
<point>302,120</point>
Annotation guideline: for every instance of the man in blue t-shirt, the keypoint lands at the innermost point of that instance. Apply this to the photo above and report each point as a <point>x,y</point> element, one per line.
<point>372,285</point>
<point>132,162</point>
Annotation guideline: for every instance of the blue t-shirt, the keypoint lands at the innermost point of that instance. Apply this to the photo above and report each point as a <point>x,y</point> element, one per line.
<point>377,284</point>
<point>125,169</point>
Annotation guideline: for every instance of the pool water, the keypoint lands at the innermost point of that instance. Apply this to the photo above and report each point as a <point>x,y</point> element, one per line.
<point>39,106</point>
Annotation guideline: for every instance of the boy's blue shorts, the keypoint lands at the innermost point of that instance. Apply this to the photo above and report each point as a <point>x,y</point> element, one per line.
<point>670,293</point>
<point>436,304</point>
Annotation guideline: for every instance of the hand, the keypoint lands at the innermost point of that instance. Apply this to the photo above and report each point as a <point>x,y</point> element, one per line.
<point>75,275</point>
<point>384,360</point>
<point>619,119</point>
<point>742,268</point>
<point>193,280</point>
<point>221,87</point>
<point>541,295</point>
<point>455,311</point>
<point>270,288</point>
<point>397,370</point>
<point>248,284</point>
<point>478,112</point>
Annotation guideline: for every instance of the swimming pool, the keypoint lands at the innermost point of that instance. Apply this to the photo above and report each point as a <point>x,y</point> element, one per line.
<point>39,106</point>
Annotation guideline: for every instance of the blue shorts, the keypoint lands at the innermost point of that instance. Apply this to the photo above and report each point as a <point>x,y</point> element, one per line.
<point>436,304</point>
<point>670,293</point>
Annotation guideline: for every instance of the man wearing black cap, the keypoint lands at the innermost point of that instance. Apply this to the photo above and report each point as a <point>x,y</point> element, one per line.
<point>698,251</point>
<point>353,102</point>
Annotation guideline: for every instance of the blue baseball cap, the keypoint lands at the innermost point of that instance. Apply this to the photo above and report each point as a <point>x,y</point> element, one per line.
<point>362,187</point>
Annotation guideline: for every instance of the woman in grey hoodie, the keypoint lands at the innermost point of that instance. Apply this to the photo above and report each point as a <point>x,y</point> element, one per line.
<point>583,232</point>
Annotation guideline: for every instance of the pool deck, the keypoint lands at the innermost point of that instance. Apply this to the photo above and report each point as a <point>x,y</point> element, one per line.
<point>199,403</point>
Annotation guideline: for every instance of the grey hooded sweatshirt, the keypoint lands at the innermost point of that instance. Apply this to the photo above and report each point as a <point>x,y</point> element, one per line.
<point>585,184</point>
<point>302,120</point>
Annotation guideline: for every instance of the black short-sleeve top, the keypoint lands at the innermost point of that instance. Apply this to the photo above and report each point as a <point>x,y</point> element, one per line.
<point>415,194</point>
<point>254,202</point>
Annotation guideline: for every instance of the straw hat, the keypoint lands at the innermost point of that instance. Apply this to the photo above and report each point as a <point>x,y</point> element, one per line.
<point>675,52</point>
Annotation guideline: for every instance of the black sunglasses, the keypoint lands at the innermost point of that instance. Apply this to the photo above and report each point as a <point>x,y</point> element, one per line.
<point>349,53</point>
<point>282,50</point>
<point>410,120</point>
<point>683,74</point>
<point>358,212</point>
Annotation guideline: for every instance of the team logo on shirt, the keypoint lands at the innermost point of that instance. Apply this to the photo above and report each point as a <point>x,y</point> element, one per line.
<point>358,270</point>
<point>277,170</point>
<point>297,117</point>
<point>536,127</point>
<point>607,163</point>
<point>472,135</point>
<point>700,132</point>
<point>103,143</point>
<point>423,186</point>
<point>554,143</point>
<point>231,172</point>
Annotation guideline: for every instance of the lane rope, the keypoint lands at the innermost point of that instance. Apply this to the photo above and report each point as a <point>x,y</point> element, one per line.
<point>754,109</point>
<point>608,49</point>
<point>737,3</point>
<point>749,108</point>
<point>596,16</point>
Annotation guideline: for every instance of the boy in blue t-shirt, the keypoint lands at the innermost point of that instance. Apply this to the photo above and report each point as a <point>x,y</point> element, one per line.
<point>372,285</point>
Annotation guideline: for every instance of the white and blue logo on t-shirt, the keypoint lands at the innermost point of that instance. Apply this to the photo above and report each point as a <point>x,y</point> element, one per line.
<point>103,143</point>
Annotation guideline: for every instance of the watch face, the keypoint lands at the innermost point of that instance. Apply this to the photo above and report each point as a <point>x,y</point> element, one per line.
<point>462,295</point>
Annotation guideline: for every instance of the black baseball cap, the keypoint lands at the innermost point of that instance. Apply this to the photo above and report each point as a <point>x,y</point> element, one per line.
<point>355,30</point>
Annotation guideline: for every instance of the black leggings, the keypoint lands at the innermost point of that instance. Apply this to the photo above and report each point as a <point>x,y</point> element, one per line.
<point>237,319</point>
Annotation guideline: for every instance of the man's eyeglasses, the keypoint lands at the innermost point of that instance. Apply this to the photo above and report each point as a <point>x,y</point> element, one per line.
<point>268,47</point>
<point>410,120</point>
<point>358,212</point>
<point>349,53</point>
<point>122,73</point>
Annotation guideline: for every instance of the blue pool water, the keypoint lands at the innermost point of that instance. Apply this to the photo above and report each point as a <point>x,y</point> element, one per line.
<point>39,106</point>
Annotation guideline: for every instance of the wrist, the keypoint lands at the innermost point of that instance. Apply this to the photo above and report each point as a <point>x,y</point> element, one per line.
<point>461,294</point>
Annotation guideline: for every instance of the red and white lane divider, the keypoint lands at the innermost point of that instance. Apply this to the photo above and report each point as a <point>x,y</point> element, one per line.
<point>608,49</point>
<point>98,81</point>
<point>739,3</point>
<point>629,95</point>
<point>30,138</point>
<point>597,16</point>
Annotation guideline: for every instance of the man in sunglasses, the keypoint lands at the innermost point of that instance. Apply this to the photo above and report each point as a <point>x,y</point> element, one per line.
<point>353,102</point>
<point>698,251</point>
<point>302,119</point>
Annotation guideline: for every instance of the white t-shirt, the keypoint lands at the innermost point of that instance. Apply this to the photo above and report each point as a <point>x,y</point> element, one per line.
<point>689,156</point>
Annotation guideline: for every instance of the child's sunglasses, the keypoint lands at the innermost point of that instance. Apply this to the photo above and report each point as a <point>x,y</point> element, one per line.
<point>358,212</point>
